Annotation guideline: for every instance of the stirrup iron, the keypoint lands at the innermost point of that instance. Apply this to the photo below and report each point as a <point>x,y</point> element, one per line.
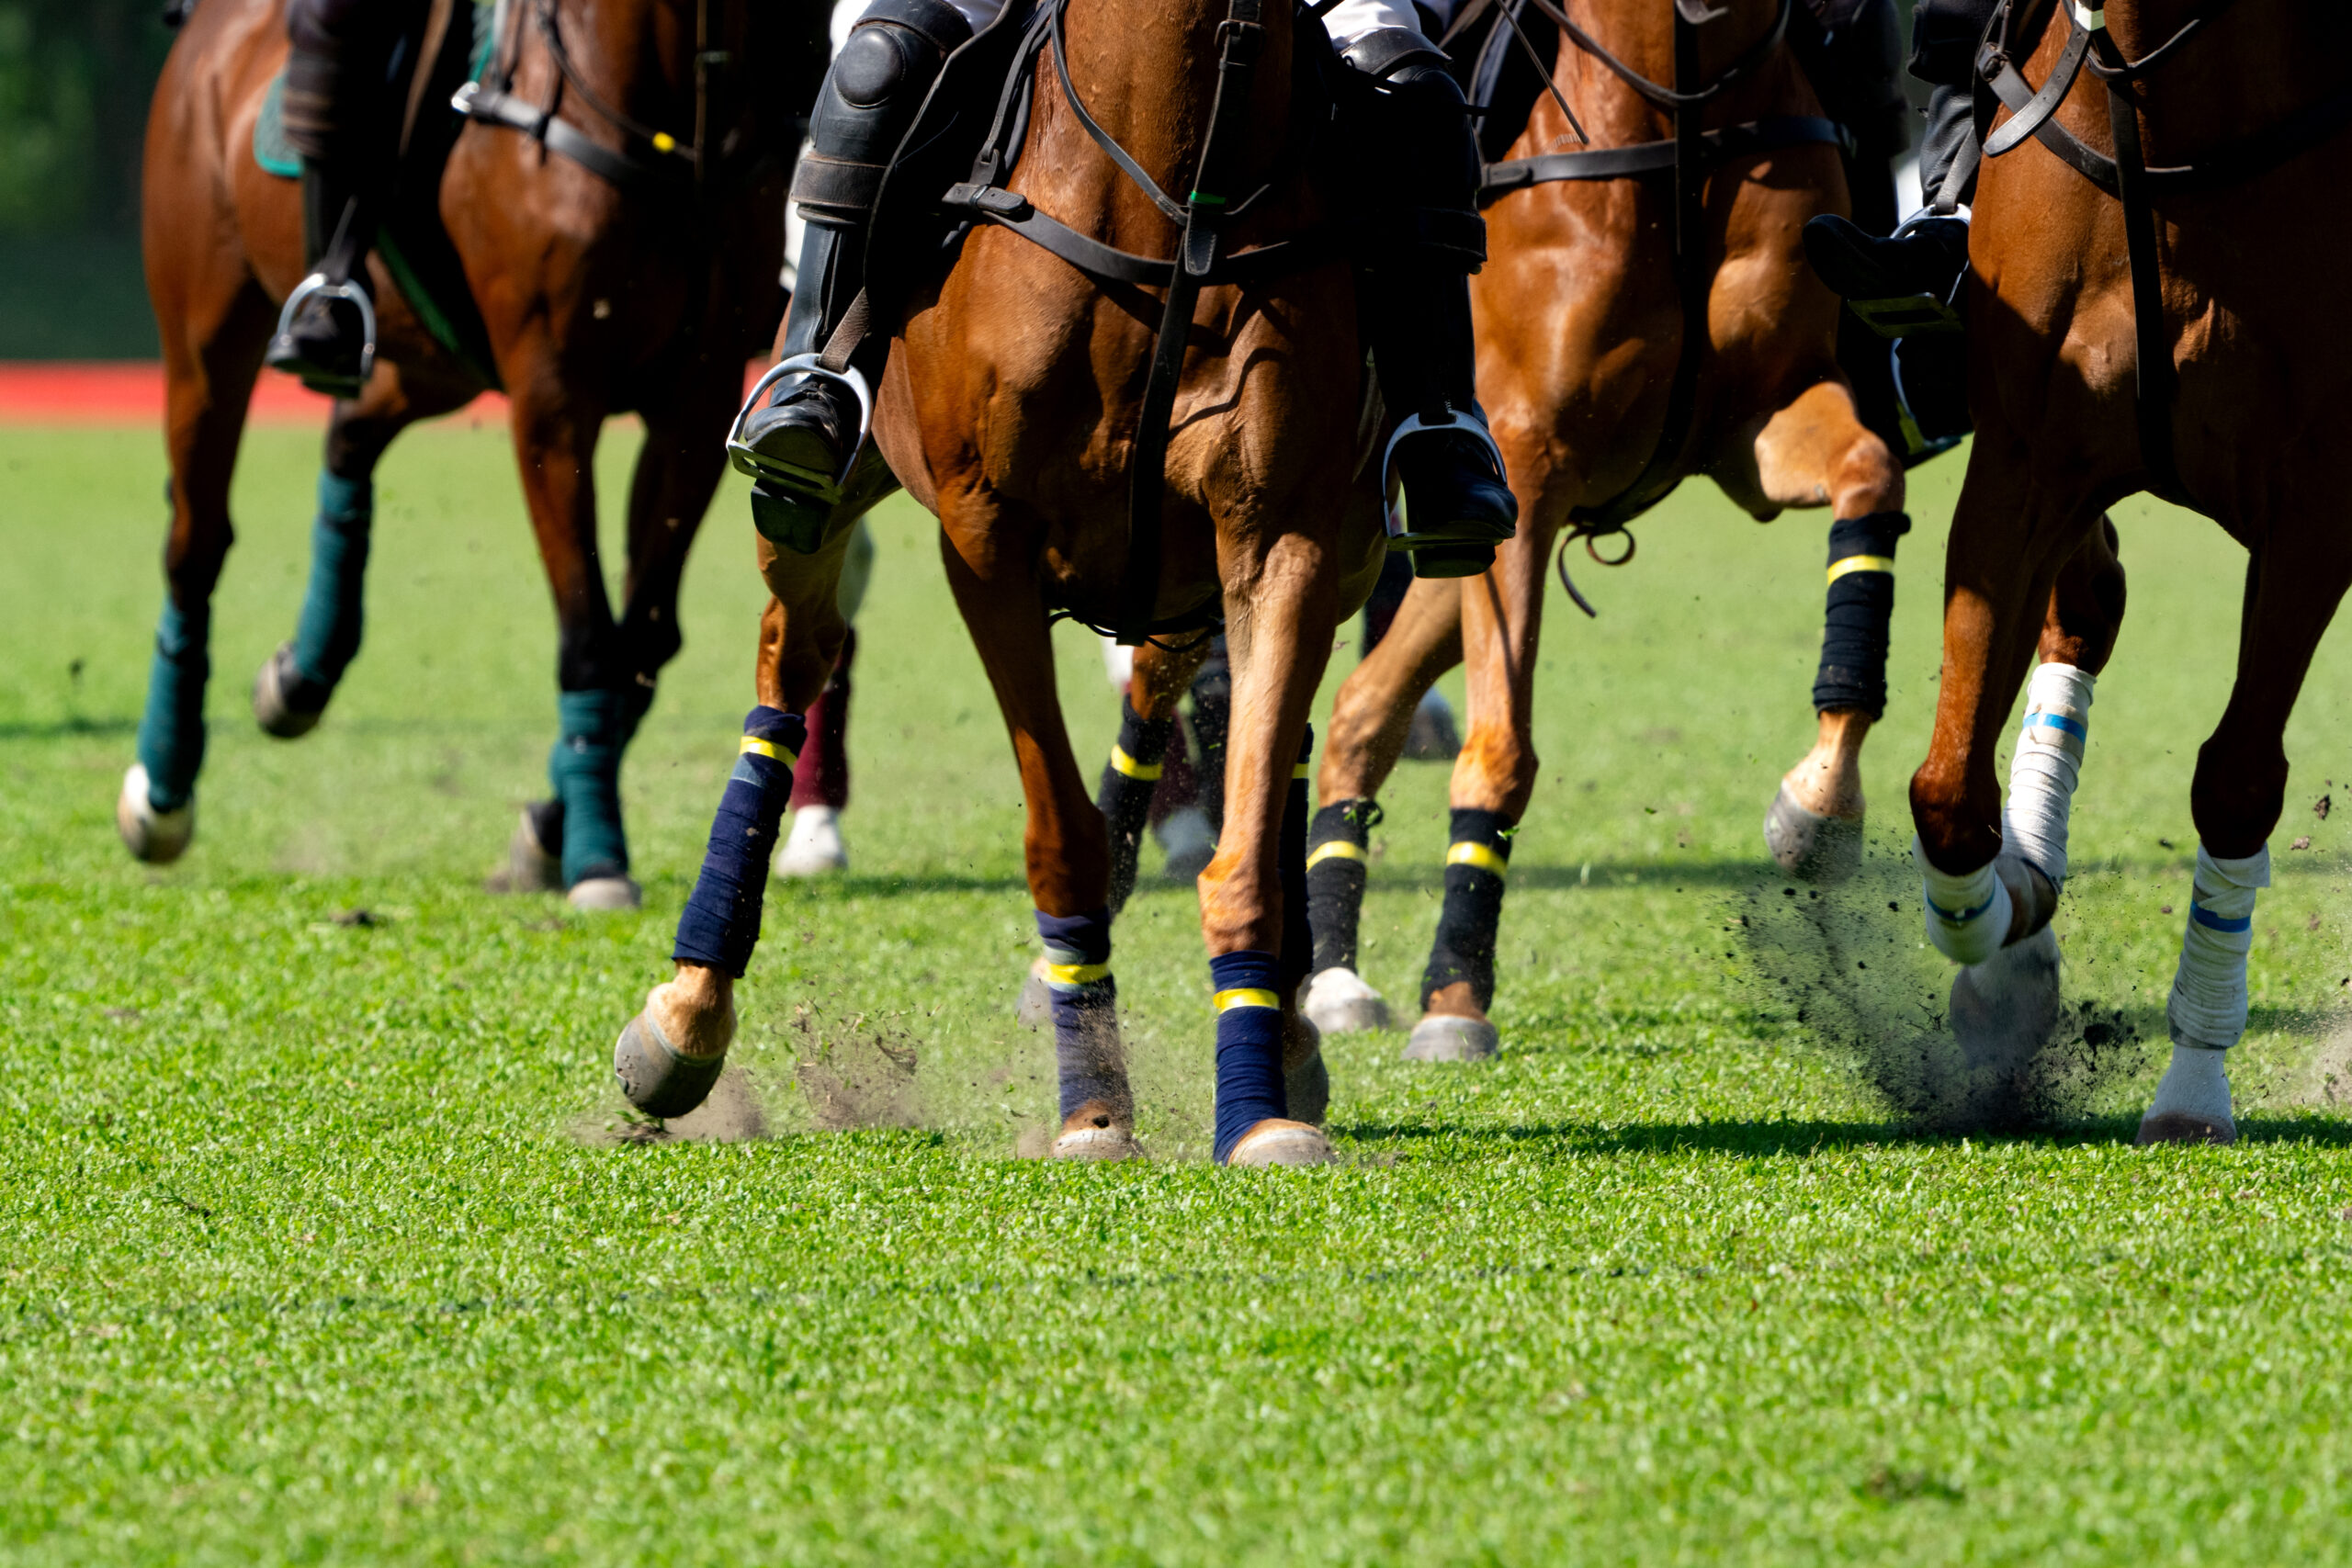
<point>1472,423</point>
<point>801,481</point>
<point>318,285</point>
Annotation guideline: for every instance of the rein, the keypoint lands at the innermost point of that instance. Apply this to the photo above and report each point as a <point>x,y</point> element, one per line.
<point>648,158</point>
<point>1690,156</point>
<point>2013,36</point>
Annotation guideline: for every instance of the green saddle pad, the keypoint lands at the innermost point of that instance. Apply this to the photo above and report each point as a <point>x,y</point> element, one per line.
<point>271,152</point>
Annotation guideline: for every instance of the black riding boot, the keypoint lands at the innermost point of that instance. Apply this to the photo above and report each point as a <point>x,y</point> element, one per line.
<point>326,333</point>
<point>805,425</point>
<point>1418,137</point>
<point>1910,280</point>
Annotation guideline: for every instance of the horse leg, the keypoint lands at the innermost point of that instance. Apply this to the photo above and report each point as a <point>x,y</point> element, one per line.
<point>2003,1009</point>
<point>1280,611</point>
<point>1067,848</point>
<point>213,345</point>
<point>292,689</point>
<point>1370,719</point>
<point>577,834</point>
<point>820,785</point>
<point>2294,581</point>
<point>671,1054</point>
<point>1138,758</point>
<point>1811,451</point>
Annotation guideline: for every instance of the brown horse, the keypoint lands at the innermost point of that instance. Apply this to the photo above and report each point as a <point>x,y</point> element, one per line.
<point>2174,339</point>
<point>1582,333</point>
<point>1011,407</point>
<point>590,293</point>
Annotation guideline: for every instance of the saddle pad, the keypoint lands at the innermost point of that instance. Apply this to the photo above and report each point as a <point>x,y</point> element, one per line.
<point>271,152</point>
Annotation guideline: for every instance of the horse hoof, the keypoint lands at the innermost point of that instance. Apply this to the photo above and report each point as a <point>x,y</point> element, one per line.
<point>1189,841</point>
<point>2002,1011</point>
<point>1431,737</point>
<point>2183,1127</point>
<point>1441,1037</point>
<point>1276,1140</point>
<point>602,893</point>
<point>1098,1143</point>
<point>156,837</point>
<point>285,704</point>
<point>1036,1007</point>
<point>529,867</point>
<point>656,1078</point>
<point>1308,1089</point>
<point>1342,1003</point>
<point>814,846</point>
<point>1811,846</point>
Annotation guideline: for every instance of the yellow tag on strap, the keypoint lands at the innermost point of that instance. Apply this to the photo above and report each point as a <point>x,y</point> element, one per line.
<point>1479,855</point>
<point>1125,764</point>
<point>754,745</point>
<point>1338,849</point>
<point>1076,974</point>
<point>1861,563</point>
<point>1246,997</point>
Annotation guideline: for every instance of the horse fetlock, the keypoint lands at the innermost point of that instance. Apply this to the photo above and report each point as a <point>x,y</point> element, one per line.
<point>694,1009</point>
<point>1810,845</point>
<point>286,702</point>
<point>2207,1007</point>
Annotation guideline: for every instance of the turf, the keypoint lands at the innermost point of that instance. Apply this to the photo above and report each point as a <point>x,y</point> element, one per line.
<point>316,1243</point>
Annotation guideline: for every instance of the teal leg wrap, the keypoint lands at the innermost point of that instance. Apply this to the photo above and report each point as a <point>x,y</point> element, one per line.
<point>585,769</point>
<point>171,735</point>
<point>328,633</point>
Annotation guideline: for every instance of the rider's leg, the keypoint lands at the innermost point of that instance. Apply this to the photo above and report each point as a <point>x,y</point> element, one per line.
<point>337,109</point>
<point>1417,130</point>
<point>797,443</point>
<point>1930,253</point>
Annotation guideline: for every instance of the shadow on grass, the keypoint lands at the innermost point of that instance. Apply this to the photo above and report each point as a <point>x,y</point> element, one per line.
<point>67,729</point>
<point>1774,1140</point>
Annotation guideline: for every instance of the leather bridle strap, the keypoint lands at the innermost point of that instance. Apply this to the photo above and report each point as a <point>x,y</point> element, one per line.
<point>1674,96</point>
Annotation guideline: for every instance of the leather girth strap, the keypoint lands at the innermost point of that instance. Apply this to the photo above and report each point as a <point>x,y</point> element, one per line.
<point>2013,34</point>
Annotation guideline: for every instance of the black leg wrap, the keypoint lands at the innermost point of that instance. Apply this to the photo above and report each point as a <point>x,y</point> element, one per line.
<point>1861,602</point>
<point>721,924</point>
<point>1298,934</point>
<point>1125,796</point>
<point>1338,847</point>
<point>1475,863</point>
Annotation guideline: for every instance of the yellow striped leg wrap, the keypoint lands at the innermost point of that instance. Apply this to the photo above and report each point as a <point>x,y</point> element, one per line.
<point>1479,855</point>
<point>1336,849</point>
<point>1246,997</point>
<point>752,744</point>
<point>1861,563</point>
<point>1075,975</point>
<point>1125,764</point>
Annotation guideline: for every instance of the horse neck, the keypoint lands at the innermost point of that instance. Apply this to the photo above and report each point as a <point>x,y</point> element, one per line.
<point>1147,71</point>
<point>1640,33</point>
<point>639,55</point>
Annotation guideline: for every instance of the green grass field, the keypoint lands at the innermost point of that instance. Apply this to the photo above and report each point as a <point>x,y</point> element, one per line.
<point>316,1245</point>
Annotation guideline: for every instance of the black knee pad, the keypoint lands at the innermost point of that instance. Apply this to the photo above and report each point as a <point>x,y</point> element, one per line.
<point>870,101</point>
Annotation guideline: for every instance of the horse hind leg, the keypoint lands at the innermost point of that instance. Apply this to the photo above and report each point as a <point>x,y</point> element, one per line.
<point>1816,450</point>
<point>2297,577</point>
<point>293,686</point>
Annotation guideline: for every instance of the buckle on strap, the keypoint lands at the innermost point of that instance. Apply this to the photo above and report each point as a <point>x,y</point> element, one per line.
<point>317,286</point>
<point>749,461</point>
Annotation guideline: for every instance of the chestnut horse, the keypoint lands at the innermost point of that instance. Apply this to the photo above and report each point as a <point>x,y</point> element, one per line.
<point>594,292</point>
<point>2147,314</point>
<point>1582,333</point>
<point>1010,408</point>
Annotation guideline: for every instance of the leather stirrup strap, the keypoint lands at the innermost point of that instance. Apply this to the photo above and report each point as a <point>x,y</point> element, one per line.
<point>428,56</point>
<point>2152,397</point>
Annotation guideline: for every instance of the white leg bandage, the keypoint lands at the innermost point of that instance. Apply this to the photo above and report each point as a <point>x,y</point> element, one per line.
<point>2207,1005</point>
<point>2049,760</point>
<point>1968,917</point>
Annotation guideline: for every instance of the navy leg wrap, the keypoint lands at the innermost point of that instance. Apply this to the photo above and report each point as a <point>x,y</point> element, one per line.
<point>1338,847</point>
<point>721,922</point>
<point>1086,1020</point>
<point>585,769</point>
<point>1861,602</point>
<point>171,734</point>
<point>1248,1045</point>
<point>327,636</point>
<point>1298,933</point>
<point>1474,866</point>
<point>1125,796</point>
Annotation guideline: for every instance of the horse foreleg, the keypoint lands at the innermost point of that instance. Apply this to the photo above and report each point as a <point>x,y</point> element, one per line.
<point>1815,451</point>
<point>1371,718</point>
<point>2297,575</point>
<point>1282,606</point>
<point>1066,848</point>
<point>215,324</point>
<point>294,684</point>
<point>669,1054</point>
